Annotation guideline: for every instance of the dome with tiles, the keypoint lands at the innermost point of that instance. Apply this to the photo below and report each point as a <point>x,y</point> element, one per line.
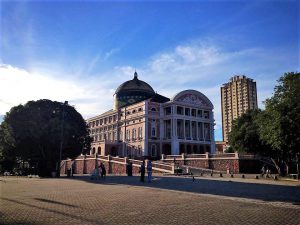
<point>132,91</point>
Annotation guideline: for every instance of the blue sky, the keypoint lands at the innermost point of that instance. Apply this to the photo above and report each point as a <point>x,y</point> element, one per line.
<point>81,51</point>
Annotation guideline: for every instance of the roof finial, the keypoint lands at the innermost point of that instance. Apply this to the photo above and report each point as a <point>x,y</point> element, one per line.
<point>135,75</point>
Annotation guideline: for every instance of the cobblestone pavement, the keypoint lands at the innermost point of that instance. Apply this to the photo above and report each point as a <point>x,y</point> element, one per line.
<point>167,200</point>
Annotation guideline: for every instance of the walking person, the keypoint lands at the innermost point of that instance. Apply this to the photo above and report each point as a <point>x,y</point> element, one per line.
<point>142,171</point>
<point>103,170</point>
<point>267,172</point>
<point>149,170</point>
<point>263,170</point>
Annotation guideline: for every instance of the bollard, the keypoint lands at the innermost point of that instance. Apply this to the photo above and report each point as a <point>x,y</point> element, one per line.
<point>256,177</point>
<point>243,176</point>
<point>231,175</point>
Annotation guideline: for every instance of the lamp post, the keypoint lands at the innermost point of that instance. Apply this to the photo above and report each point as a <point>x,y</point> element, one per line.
<point>61,138</point>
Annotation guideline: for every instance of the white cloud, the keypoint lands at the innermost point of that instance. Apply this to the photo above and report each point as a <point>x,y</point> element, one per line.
<point>205,67</point>
<point>199,66</point>
<point>17,86</point>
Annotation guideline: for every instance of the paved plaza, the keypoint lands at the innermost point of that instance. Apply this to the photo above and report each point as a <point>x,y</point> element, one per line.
<point>167,200</point>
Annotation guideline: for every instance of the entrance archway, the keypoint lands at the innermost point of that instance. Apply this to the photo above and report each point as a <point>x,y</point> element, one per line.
<point>195,149</point>
<point>113,151</point>
<point>189,149</point>
<point>182,148</point>
<point>166,149</point>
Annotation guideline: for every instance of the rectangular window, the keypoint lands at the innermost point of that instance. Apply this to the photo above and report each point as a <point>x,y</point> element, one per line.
<point>168,111</point>
<point>179,110</point>
<point>187,129</point>
<point>207,131</point>
<point>187,111</point>
<point>206,114</point>
<point>180,129</point>
<point>199,113</point>
<point>193,112</point>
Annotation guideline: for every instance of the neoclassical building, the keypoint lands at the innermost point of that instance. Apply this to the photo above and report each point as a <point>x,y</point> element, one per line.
<point>144,124</point>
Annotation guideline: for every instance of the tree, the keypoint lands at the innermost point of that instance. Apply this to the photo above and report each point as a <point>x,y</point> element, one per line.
<point>244,136</point>
<point>280,122</point>
<point>35,131</point>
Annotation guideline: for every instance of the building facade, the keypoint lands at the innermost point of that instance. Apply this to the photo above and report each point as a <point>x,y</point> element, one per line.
<point>144,124</point>
<point>237,96</point>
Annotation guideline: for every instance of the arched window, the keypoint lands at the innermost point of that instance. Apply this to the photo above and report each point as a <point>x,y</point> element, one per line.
<point>93,151</point>
<point>133,134</point>
<point>153,128</point>
<point>153,132</point>
<point>121,136</point>
<point>99,150</point>
<point>153,109</point>
<point>128,135</point>
<point>140,134</point>
<point>139,151</point>
<point>153,150</point>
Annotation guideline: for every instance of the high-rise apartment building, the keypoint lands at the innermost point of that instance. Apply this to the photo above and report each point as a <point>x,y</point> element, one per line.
<point>237,96</point>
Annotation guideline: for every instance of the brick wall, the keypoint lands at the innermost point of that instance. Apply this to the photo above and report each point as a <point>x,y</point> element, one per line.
<point>220,162</point>
<point>117,165</point>
<point>79,167</point>
<point>113,165</point>
<point>202,163</point>
<point>224,164</point>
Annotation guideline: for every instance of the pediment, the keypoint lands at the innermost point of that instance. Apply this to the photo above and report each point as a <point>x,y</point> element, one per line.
<point>193,97</point>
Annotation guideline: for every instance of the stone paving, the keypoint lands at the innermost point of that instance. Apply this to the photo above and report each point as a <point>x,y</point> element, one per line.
<point>167,200</point>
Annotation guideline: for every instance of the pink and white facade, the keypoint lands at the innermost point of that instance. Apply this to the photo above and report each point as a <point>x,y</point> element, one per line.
<point>148,126</point>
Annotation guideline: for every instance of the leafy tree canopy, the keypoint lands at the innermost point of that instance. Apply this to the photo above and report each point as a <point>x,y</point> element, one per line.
<point>244,136</point>
<point>280,122</point>
<point>274,132</point>
<point>34,132</point>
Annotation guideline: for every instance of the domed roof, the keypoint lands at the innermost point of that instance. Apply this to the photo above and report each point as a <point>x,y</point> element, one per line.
<point>135,85</point>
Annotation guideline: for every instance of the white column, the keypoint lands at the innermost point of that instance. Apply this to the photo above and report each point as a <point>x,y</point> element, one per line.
<point>197,132</point>
<point>175,127</point>
<point>203,133</point>
<point>212,138</point>
<point>146,133</point>
<point>184,129</point>
<point>191,136</point>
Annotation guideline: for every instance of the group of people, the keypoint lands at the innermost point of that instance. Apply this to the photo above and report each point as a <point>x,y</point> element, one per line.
<point>99,171</point>
<point>265,171</point>
<point>143,170</point>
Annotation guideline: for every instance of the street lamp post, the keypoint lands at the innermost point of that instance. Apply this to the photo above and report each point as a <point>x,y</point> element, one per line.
<point>61,138</point>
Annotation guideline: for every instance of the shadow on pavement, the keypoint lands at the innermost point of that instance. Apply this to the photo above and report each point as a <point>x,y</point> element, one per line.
<point>54,202</point>
<point>69,215</point>
<point>258,191</point>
